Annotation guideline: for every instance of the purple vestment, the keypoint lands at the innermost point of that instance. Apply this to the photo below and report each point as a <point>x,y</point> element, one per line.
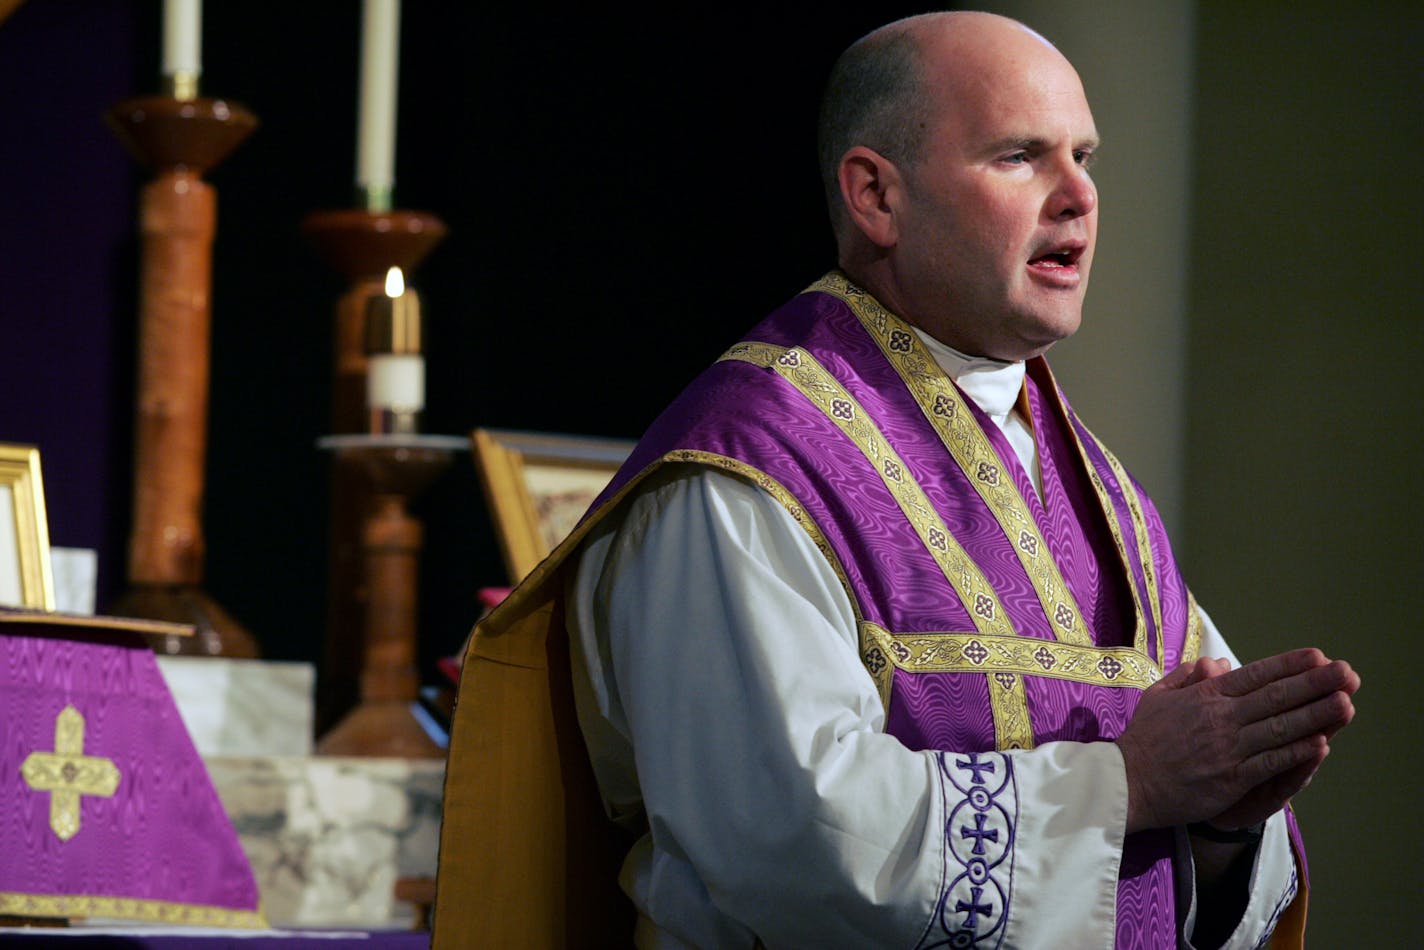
<point>990,620</point>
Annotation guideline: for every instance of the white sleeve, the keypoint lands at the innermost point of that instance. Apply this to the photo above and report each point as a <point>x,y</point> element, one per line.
<point>722,693</point>
<point>1273,877</point>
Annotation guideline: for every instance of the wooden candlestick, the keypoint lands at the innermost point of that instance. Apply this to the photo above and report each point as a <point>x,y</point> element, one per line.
<point>361,246</point>
<point>180,140</point>
<point>395,469</point>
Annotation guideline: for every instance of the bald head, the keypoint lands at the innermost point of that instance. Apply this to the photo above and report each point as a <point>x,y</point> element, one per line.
<point>955,149</point>
<point>880,91</point>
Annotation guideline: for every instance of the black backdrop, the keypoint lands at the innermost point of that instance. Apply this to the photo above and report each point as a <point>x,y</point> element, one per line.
<point>625,195</point>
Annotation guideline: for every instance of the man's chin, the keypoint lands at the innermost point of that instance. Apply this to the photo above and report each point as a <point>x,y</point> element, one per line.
<point>1037,339</point>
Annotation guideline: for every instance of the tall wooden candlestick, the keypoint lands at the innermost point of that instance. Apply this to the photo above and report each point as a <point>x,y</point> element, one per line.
<point>362,246</point>
<point>179,140</point>
<point>394,470</point>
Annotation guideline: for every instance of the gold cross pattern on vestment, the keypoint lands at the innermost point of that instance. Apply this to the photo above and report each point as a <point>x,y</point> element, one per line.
<point>67,773</point>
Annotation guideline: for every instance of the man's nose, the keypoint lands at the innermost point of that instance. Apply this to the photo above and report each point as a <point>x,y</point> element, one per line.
<point>1074,194</point>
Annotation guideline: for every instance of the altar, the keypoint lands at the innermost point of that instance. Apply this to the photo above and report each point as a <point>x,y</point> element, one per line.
<point>329,838</point>
<point>119,811</point>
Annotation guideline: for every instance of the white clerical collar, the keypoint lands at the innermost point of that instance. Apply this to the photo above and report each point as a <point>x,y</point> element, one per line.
<point>993,384</point>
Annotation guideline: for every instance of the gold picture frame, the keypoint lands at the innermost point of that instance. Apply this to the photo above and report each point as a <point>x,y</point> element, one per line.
<point>538,485</point>
<point>26,578</point>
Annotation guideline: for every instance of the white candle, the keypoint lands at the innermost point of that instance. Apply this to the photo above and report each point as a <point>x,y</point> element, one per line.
<point>376,120</point>
<point>396,381</point>
<point>182,37</point>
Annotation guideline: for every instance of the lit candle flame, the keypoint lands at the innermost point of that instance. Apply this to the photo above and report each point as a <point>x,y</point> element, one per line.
<point>395,282</point>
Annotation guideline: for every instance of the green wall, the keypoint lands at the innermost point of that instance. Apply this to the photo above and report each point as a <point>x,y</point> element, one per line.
<point>1124,370</point>
<point>1303,445</point>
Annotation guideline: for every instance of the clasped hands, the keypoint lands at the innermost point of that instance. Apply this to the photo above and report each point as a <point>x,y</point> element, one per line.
<point>1208,743</point>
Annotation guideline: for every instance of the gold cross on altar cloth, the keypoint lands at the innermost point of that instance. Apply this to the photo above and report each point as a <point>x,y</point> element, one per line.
<point>67,773</point>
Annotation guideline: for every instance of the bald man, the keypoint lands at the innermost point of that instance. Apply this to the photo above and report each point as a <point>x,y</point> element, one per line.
<point>874,644</point>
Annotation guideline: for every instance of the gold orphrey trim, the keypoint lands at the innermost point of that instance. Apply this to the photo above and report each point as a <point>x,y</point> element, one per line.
<point>936,652</point>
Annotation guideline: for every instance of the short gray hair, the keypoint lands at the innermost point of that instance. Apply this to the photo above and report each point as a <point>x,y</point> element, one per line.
<point>875,97</point>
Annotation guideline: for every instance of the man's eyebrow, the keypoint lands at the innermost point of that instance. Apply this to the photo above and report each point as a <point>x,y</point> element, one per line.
<point>1015,143</point>
<point>1030,143</point>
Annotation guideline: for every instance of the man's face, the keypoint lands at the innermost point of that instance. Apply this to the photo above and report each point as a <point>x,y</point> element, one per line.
<point>999,217</point>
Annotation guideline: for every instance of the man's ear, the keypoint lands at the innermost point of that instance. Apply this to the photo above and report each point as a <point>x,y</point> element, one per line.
<point>868,183</point>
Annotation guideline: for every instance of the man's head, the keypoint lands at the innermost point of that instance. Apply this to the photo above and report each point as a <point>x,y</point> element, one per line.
<point>955,149</point>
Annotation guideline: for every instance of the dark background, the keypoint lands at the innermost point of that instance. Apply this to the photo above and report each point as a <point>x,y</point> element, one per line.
<point>624,198</point>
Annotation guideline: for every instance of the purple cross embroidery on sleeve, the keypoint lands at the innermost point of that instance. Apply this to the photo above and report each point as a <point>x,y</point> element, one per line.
<point>981,804</point>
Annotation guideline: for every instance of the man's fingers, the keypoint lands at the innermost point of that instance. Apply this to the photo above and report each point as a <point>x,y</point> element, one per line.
<point>1184,674</point>
<point>1323,717</point>
<point>1254,676</point>
<point>1333,730</point>
<point>1270,796</point>
<point>1278,696</point>
<point>1292,783</point>
<point>1262,732</point>
<point>1273,762</point>
<point>1191,673</point>
<point>1273,795</point>
<point>1205,668</point>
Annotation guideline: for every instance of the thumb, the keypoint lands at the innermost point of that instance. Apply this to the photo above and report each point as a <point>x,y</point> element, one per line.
<point>1184,675</point>
<point>1208,667</point>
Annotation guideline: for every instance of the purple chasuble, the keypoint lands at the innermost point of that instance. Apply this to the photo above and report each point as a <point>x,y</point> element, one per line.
<point>833,406</point>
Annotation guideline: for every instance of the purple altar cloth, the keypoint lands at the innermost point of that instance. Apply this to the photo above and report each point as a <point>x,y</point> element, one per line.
<point>276,940</point>
<point>158,940</point>
<point>106,810</point>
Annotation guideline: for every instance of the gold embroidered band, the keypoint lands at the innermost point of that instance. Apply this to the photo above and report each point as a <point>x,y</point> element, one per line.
<point>971,450</point>
<point>1191,649</point>
<point>936,652</point>
<point>167,912</point>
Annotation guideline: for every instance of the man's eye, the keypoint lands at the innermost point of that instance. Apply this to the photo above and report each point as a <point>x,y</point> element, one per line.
<point>1083,157</point>
<point>1017,158</point>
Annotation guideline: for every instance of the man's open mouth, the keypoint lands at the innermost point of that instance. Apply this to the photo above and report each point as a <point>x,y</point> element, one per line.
<point>1065,256</point>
